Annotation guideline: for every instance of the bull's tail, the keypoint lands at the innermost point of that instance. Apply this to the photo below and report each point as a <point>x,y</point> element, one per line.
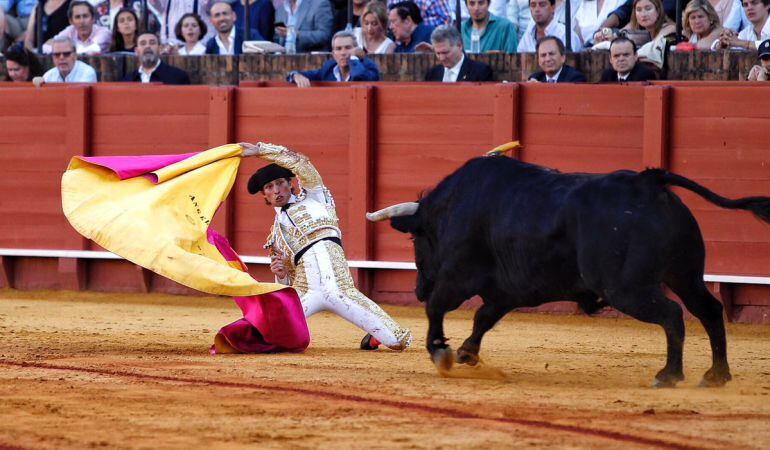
<point>759,206</point>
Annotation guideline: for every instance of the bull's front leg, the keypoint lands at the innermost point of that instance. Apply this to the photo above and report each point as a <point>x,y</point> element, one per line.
<point>486,317</point>
<point>440,352</point>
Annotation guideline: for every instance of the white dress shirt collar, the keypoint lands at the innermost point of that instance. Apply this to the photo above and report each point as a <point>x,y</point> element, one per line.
<point>230,48</point>
<point>450,75</point>
<point>555,76</point>
<point>145,74</point>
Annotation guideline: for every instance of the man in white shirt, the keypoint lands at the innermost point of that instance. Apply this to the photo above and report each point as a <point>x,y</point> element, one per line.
<point>89,38</point>
<point>454,66</point>
<point>544,24</point>
<point>68,69</point>
<point>758,30</point>
<point>227,40</point>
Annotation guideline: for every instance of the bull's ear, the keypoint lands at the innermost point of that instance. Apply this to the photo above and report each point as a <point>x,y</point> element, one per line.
<point>405,224</point>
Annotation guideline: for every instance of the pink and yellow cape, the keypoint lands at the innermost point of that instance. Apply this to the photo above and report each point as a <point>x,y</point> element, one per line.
<point>155,211</point>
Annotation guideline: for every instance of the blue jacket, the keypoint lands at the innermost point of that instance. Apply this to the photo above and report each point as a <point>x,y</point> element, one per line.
<point>213,49</point>
<point>360,70</point>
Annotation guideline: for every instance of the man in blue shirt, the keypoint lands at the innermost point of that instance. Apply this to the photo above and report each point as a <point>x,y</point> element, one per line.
<point>348,63</point>
<point>496,34</point>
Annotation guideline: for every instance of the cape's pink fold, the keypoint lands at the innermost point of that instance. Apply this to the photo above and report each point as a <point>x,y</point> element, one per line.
<point>133,166</point>
<point>272,322</point>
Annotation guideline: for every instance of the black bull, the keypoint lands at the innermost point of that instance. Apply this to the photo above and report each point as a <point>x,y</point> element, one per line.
<point>518,234</point>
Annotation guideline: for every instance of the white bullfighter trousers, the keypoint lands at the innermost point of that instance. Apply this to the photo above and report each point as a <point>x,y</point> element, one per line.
<point>323,282</point>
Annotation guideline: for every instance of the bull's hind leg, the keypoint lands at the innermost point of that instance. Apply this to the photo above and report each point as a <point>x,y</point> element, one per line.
<point>699,301</point>
<point>648,304</point>
<point>486,317</point>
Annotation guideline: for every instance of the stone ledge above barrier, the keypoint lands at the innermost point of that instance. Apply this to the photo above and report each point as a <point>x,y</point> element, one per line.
<point>229,70</point>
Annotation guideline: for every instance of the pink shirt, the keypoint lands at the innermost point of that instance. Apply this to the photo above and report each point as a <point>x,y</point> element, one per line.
<point>99,41</point>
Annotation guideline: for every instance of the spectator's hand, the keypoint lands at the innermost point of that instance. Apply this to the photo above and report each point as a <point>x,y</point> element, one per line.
<point>604,34</point>
<point>758,73</point>
<point>280,31</point>
<point>278,266</point>
<point>423,47</point>
<point>532,80</point>
<point>359,53</point>
<point>38,81</point>
<point>301,80</point>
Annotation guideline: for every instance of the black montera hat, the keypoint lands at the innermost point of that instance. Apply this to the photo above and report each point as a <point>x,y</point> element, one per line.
<point>265,175</point>
<point>764,48</point>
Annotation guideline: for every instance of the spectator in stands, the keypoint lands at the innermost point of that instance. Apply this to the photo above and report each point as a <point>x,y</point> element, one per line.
<point>261,18</point>
<point>374,24</point>
<point>517,11</point>
<point>454,66</point>
<point>171,12</point>
<point>648,16</point>
<point>551,56</point>
<point>228,39</point>
<point>624,63</point>
<point>621,17</point>
<point>407,27</point>
<point>89,38</point>
<point>125,30</point>
<point>5,38</point>
<point>54,21</point>
<point>544,24</point>
<point>761,71</point>
<point>311,22</point>
<point>496,34</point>
<point>22,64</point>
<point>106,10</point>
<point>151,68</point>
<point>701,26</point>
<point>190,29</point>
<point>348,63</point>
<point>589,16</point>
<point>432,12</point>
<point>758,29</point>
<point>67,68</point>
<point>730,14</point>
<point>16,24</point>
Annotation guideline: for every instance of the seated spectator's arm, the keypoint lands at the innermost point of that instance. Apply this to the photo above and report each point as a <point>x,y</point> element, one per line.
<point>323,23</point>
<point>757,73</point>
<point>619,17</point>
<point>438,13</point>
<point>303,79</point>
<point>363,70</point>
<point>29,39</point>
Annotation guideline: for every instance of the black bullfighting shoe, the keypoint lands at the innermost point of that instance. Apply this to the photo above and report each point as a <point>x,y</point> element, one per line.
<point>369,343</point>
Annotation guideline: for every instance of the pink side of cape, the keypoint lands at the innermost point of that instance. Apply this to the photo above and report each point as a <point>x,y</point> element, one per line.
<point>133,166</point>
<point>272,322</point>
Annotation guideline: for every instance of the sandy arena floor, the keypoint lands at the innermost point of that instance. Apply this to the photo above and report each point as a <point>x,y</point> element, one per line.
<point>85,370</point>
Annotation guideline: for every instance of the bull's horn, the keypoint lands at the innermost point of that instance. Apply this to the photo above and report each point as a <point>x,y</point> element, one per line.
<point>402,209</point>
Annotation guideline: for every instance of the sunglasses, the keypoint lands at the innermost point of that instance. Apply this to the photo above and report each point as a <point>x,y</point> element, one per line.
<point>62,54</point>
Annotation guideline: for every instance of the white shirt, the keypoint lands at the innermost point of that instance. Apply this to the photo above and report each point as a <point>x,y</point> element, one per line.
<point>81,73</point>
<point>450,75</point>
<point>528,42</point>
<point>748,34</point>
<point>555,77</point>
<point>199,49</point>
<point>230,49</point>
<point>623,77</point>
<point>588,19</point>
<point>337,73</point>
<point>147,75</point>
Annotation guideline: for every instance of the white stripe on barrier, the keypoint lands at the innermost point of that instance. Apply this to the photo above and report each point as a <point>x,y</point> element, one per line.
<point>391,265</point>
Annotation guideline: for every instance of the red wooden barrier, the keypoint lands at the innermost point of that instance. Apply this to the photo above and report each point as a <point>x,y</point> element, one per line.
<point>378,144</point>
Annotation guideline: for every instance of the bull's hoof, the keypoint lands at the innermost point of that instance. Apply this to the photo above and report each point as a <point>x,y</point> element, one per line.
<point>667,380</point>
<point>714,378</point>
<point>467,357</point>
<point>444,359</point>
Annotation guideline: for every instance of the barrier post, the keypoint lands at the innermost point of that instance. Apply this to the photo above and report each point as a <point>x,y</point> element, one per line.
<point>221,120</point>
<point>655,138</point>
<point>506,126</point>
<point>359,239</point>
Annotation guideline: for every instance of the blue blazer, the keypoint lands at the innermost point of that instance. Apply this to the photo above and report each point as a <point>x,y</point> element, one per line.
<point>213,49</point>
<point>360,70</point>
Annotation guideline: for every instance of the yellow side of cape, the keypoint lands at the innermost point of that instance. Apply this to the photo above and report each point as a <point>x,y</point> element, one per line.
<point>163,226</point>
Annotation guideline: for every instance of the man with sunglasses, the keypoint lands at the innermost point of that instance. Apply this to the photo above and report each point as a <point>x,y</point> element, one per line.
<point>67,67</point>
